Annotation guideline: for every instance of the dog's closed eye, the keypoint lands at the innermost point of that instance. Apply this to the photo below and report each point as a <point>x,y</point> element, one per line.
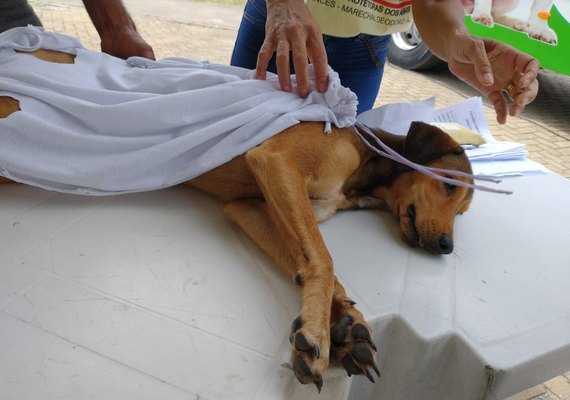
<point>450,188</point>
<point>411,211</point>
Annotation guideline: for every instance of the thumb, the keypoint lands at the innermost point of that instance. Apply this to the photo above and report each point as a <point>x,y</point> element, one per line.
<point>149,54</point>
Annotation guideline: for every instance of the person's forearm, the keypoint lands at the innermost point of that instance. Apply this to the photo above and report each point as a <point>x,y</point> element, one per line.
<point>438,21</point>
<point>108,15</point>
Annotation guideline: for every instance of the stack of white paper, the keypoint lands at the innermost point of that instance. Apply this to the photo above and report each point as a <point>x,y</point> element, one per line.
<point>496,151</point>
<point>495,158</point>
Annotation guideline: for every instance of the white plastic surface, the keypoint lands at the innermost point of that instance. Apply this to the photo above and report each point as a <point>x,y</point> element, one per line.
<point>156,295</point>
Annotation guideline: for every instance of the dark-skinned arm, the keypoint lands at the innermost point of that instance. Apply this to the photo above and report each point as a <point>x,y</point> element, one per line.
<point>117,30</point>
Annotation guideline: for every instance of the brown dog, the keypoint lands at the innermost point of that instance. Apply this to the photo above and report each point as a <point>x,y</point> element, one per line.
<point>279,191</point>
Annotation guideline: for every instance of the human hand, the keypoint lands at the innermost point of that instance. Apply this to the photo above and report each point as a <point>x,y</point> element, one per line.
<point>291,30</point>
<point>125,43</point>
<point>491,68</point>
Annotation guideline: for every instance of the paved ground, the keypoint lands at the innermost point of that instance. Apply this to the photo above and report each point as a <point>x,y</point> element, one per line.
<point>207,31</point>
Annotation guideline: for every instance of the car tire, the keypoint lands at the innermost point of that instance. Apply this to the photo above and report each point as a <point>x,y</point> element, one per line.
<point>408,51</point>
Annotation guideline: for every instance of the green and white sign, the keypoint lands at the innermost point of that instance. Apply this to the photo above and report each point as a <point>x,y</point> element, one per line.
<point>542,33</point>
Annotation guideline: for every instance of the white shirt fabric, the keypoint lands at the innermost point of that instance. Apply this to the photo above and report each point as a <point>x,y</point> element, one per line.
<point>105,126</point>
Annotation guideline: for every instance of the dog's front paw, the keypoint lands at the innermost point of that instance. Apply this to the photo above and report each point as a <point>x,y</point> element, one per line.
<point>309,354</point>
<point>482,18</point>
<point>352,346</point>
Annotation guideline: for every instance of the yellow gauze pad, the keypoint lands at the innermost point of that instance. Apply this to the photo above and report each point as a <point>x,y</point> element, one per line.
<point>460,134</point>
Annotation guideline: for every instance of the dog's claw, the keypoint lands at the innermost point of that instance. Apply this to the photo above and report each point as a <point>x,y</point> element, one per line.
<point>359,332</point>
<point>369,376</point>
<point>362,353</point>
<point>295,326</point>
<point>350,301</point>
<point>301,370</point>
<point>352,346</point>
<point>319,382</point>
<point>350,366</point>
<point>339,330</point>
<point>305,375</point>
<point>376,370</point>
<point>302,344</point>
<point>305,355</point>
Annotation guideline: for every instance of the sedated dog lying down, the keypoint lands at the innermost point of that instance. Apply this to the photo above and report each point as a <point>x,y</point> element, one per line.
<point>279,191</point>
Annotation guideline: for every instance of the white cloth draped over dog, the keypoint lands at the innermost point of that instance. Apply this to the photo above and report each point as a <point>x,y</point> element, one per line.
<point>106,126</point>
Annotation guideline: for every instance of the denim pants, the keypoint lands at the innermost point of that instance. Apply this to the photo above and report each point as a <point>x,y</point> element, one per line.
<point>358,60</point>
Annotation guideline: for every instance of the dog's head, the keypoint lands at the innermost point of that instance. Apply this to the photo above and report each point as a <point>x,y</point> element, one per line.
<point>426,207</point>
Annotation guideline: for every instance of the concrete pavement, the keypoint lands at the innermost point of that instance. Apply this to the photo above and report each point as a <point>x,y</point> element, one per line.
<point>207,31</point>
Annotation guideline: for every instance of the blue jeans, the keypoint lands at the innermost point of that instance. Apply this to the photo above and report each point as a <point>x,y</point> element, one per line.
<point>359,61</point>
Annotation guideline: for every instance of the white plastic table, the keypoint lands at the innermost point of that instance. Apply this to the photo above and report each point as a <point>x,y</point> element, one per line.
<point>155,295</point>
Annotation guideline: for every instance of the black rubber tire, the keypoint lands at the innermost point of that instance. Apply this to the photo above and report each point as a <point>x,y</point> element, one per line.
<point>416,57</point>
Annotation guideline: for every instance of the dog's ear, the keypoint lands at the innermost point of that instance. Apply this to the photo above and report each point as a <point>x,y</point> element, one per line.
<point>425,143</point>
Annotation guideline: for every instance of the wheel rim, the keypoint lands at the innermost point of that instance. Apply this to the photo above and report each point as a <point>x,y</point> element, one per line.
<point>407,40</point>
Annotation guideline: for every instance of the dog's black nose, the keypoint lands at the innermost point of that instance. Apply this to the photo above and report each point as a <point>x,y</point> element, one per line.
<point>445,244</point>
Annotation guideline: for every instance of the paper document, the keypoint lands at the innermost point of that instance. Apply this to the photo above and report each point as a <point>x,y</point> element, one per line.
<point>468,113</point>
<point>396,118</point>
<point>492,158</point>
